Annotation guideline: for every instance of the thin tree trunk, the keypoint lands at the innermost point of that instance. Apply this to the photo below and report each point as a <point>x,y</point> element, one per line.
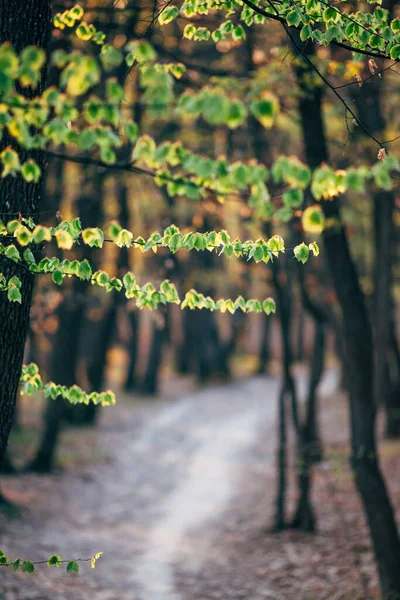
<point>150,381</point>
<point>265,350</point>
<point>309,450</point>
<point>359,358</point>
<point>130,381</point>
<point>393,398</point>
<point>368,101</point>
<point>287,392</point>
<point>300,336</point>
<point>21,27</point>
<point>65,343</point>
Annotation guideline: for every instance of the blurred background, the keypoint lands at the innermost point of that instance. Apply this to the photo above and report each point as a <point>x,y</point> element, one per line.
<point>196,384</point>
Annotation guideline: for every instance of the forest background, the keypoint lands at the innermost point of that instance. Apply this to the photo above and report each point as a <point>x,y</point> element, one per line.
<point>204,113</point>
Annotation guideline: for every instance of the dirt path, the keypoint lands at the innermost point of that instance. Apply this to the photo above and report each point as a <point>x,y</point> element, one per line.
<point>174,469</point>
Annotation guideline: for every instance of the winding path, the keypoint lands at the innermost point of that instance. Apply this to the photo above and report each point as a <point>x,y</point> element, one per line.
<point>174,467</point>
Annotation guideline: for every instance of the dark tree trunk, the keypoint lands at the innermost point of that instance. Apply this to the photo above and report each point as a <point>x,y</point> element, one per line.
<point>310,447</point>
<point>130,381</point>
<point>149,385</point>
<point>384,203</point>
<point>393,412</point>
<point>265,350</point>
<point>65,343</point>
<point>300,336</point>
<point>280,501</point>
<point>21,27</point>
<point>320,317</point>
<point>287,393</point>
<point>368,101</point>
<point>359,358</point>
<point>8,468</point>
<point>200,350</point>
<point>393,398</point>
<point>96,364</point>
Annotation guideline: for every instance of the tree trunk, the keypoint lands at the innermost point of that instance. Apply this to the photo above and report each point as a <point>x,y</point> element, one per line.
<point>359,357</point>
<point>130,381</point>
<point>368,101</point>
<point>22,26</point>
<point>65,343</point>
<point>288,389</point>
<point>149,385</point>
<point>393,398</point>
<point>300,336</point>
<point>310,447</point>
<point>265,349</point>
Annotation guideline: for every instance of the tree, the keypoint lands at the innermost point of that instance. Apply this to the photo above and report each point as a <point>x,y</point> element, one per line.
<point>60,119</point>
<point>23,29</point>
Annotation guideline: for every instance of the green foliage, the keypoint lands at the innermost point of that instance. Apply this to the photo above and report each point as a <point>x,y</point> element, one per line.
<point>316,20</point>
<point>28,566</point>
<point>12,287</point>
<point>68,233</point>
<point>31,383</point>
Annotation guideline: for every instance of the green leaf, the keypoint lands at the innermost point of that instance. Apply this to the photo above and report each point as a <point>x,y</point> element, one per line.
<point>301,252</point>
<point>10,159</point>
<point>269,306</point>
<point>73,567</point>
<point>238,33</point>
<point>41,234</point>
<point>57,276</point>
<point>14,295</point>
<point>131,131</point>
<point>84,270</point>
<point>258,254</point>
<point>54,561</point>
<point>28,566</point>
<point>395,52</point>
<point>266,109</point>
<point>168,14</point>
<point>16,564</point>
<point>313,219</point>
<point>293,198</point>
<point>237,114</point>
<point>12,253</point>
<point>306,33</point>
<point>65,241</point>
<point>93,236</point>
<point>293,18</point>
<point>31,171</point>
<point>124,239</point>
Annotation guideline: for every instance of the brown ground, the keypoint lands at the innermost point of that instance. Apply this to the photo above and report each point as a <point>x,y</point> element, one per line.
<point>115,489</point>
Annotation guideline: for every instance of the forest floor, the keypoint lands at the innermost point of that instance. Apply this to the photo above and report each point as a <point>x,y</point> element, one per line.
<point>179,495</point>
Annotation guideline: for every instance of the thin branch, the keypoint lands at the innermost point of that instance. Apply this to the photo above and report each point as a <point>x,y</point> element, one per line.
<point>361,81</point>
<point>277,17</point>
<point>324,79</point>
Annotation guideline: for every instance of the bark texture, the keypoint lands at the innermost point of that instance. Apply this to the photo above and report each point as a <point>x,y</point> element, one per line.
<point>21,26</point>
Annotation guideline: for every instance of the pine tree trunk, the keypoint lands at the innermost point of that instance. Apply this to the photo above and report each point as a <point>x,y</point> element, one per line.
<point>22,26</point>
